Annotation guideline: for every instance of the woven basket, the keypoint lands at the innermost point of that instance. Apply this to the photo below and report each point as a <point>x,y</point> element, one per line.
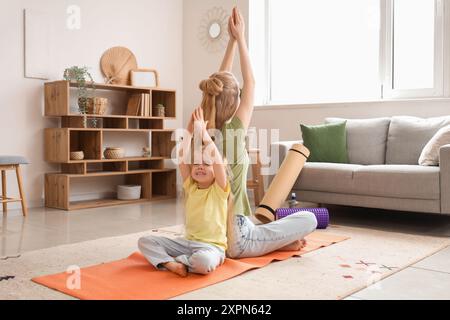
<point>77,155</point>
<point>96,105</point>
<point>114,153</point>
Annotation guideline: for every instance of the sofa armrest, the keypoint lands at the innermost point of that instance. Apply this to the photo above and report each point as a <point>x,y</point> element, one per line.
<point>278,151</point>
<point>444,160</point>
<point>281,148</point>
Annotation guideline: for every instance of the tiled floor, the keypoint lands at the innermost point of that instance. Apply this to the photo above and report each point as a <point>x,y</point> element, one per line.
<point>43,228</point>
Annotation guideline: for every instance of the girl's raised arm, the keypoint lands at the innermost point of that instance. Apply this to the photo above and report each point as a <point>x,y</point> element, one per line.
<point>211,152</point>
<point>184,154</point>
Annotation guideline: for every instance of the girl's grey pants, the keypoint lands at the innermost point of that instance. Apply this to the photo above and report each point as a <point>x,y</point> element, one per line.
<point>199,257</point>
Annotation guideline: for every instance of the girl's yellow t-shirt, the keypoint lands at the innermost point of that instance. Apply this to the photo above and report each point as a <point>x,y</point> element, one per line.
<point>206,213</point>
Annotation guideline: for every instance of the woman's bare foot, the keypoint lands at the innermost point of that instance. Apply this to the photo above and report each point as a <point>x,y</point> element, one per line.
<point>295,246</point>
<point>177,268</point>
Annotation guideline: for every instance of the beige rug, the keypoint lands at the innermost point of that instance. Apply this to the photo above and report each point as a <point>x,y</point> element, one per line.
<point>334,272</point>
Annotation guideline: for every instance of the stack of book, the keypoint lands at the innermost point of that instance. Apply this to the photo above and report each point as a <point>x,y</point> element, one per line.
<point>139,105</point>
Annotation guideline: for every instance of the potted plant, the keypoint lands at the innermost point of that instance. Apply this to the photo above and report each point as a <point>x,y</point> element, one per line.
<point>81,76</point>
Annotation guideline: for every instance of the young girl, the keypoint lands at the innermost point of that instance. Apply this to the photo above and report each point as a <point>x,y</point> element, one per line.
<point>206,191</point>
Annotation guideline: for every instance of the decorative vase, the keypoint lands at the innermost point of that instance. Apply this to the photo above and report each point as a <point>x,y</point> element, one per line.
<point>159,111</point>
<point>146,152</point>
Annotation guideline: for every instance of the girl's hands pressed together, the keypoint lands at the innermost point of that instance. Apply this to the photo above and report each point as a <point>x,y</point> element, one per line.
<point>190,126</point>
<point>200,123</point>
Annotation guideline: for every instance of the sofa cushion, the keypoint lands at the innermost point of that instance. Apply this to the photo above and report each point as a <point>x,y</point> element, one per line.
<point>430,154</point>
<point>327,177</point>
<point>327,143</point>
<point>408,136</point>
<point>390,181</point>
<point>398,181</point>
<point>366,139</point>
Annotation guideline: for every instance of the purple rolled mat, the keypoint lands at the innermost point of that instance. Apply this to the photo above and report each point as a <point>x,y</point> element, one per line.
<point>322,215</point>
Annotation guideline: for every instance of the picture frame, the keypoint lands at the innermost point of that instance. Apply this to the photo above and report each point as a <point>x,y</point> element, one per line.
<point>37,44</point>
<point>148,78</point>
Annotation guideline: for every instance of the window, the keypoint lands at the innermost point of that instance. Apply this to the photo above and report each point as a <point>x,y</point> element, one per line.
<point>324,50</point>
<point>414,66</point>
<point>346,50</point>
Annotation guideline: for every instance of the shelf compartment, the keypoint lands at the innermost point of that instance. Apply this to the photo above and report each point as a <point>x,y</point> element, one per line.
<point>136,158</point>
<point>114,123</point>
<point>162,144</point>
<point>166,98</point>
<point>164,184</point>
<point>90,142</point>
<point>58,93</point>
<point>106,167</point>
<point>143,180</point>
<point>156,185</point>
<point>73,168</point>
<point>145,124</point>
<point>145,165</point>
<point>72,122</point>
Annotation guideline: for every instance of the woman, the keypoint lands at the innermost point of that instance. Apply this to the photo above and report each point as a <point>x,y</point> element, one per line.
<point>230,110</point>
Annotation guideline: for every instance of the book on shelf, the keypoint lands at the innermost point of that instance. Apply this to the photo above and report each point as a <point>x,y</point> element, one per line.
<point>134,104</point>
<point>139,105</point>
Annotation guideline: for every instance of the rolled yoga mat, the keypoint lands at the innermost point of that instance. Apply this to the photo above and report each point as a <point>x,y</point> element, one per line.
<point>282,184</point>
<point>322,215</point>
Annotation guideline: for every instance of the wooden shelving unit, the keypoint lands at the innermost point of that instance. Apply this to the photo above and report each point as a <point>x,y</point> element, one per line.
<point>157,182</point>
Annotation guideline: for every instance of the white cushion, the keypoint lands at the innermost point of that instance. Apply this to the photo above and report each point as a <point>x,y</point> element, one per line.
<point>430,153</point>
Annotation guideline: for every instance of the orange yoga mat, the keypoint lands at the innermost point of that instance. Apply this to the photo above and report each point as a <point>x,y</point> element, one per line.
<point>134,278</point>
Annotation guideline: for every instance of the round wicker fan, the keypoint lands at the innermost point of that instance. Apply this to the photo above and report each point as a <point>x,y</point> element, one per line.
<point>116,64</point>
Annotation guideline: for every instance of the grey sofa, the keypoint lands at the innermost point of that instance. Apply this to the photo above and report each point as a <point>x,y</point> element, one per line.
<point>383,171</point>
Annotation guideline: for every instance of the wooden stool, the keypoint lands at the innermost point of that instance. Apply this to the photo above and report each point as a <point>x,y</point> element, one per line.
<point>12,163</point>
<point>257,182</point>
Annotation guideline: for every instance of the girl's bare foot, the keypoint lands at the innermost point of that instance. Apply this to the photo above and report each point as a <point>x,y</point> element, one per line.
<point>177,268</point>
<point>295,246</point>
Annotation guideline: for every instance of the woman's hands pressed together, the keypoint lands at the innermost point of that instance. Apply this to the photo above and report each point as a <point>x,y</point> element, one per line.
<point>236,25</point>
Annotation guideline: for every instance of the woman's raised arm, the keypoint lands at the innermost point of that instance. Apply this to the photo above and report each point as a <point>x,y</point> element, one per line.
<point>246,107</point>
<point>228,59</point>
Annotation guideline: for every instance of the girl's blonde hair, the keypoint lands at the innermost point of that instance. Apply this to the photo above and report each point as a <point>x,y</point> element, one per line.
<point>220,98</point>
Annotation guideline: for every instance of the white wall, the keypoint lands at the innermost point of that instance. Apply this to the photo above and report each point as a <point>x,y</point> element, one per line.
<point>152,29</point>
<point>199,64</point>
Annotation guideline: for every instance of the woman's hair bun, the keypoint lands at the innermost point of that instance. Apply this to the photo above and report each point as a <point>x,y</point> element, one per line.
<point>212,86</point>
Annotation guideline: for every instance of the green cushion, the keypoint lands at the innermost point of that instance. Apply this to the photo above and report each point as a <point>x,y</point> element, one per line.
<point>327,143</point>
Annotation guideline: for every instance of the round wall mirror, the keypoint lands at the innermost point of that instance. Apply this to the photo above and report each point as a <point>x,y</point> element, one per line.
<point>214,30</point>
